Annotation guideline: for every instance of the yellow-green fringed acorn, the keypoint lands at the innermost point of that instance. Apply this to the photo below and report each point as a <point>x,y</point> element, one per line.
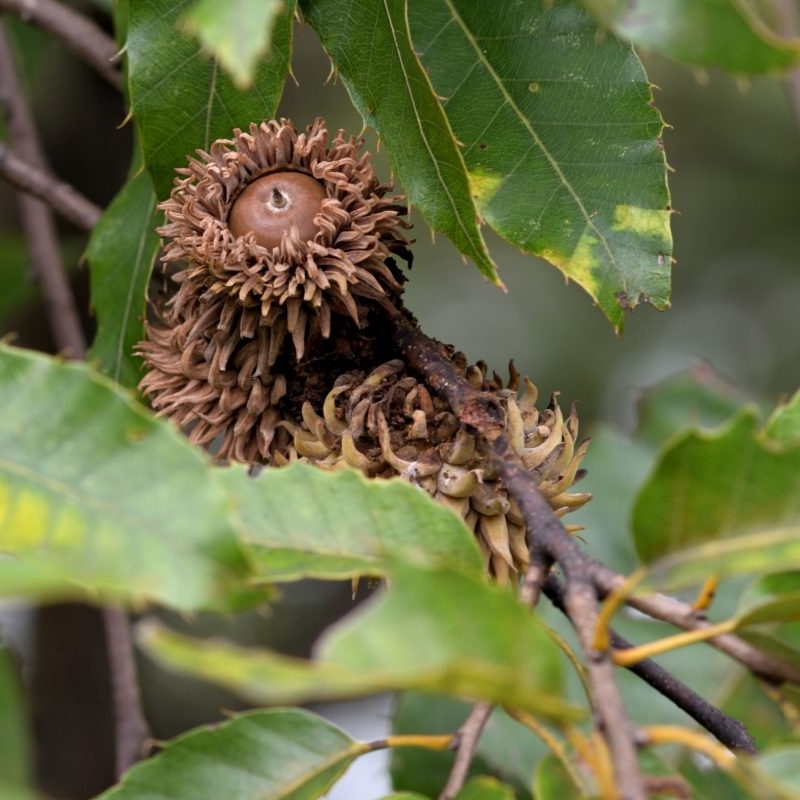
<point>388,424</point>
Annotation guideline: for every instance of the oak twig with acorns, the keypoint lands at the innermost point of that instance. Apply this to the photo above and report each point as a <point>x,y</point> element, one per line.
<point>276,346</point>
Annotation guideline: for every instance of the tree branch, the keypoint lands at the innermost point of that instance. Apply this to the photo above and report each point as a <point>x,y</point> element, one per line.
<point>682,615</point>
<point>49,190</point>
<point>78,32</point>
<point>587,581</point>
<point>466,740</point>
<point>727,730</point>
<point>481,413</point>
<point>132,730</point>
<point>37,219</point>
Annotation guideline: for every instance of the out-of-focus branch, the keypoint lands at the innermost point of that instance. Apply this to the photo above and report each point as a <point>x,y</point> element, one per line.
<point>78,32</point>
<point>48,190</point>
<point>131,729</point>
<point>787,26</point>
<point>466,741</point>
<point>37,218</point>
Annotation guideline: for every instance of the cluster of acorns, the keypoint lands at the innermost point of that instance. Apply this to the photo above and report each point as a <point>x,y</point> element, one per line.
<point>273,348</point>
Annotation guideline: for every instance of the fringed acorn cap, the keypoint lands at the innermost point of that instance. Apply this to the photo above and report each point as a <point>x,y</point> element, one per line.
<point>388,424</point>
<point>282,236</point>
<point>280,225</point>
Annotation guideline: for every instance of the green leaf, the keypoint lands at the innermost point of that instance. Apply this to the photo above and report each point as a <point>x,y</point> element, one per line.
<point>405,796</point>
<point>281,754</point>
<point>483,788</point>
<point>711,486</point>
<point>698,398</point>
<point>237,33</point>
<point>97,497</point>
<point>435,630</point>
<point>753,553</point>
<point>302,521</point>
<point>560,137</point>
<point>121,252</point>
<point>180,98</point>
<point>371,48</point>
<point>773,598</point>
<point>552,782</point>
<point>16,286</point>
<point>15,757</point>
<point>784,424</point>
<point>728,34</point>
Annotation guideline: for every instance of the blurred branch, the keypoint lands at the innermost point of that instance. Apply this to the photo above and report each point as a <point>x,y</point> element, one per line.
<point>787,27</point>
<point>37,218</point>
<point>466,740</point>
<point>50,191</point>
<point>132,730</point>
<point>78,32</point>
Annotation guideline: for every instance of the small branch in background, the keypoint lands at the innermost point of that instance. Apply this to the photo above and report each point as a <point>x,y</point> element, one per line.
<point>787,27</point>
<point>37,218</point>
<point>727,730</point>
<point>466,741</point>
<point>48,190</point>
<point>78,32</point>
<point>132,730</point>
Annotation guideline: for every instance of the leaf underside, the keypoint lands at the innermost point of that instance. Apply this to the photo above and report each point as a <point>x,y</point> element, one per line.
<point>480,642</point>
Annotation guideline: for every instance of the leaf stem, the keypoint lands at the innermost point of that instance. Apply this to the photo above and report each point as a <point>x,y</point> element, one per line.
<point>674,734</point>
<point>555,745</point>
<point>428,741</point>
<point>602,637</point>
<point>633,655</point>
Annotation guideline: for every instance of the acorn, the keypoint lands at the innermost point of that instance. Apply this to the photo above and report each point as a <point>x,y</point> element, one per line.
<point>283,239</point>
<point>388,424</point>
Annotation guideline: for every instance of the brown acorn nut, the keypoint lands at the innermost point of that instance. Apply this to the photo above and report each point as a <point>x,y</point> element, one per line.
<point>270,206</point>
